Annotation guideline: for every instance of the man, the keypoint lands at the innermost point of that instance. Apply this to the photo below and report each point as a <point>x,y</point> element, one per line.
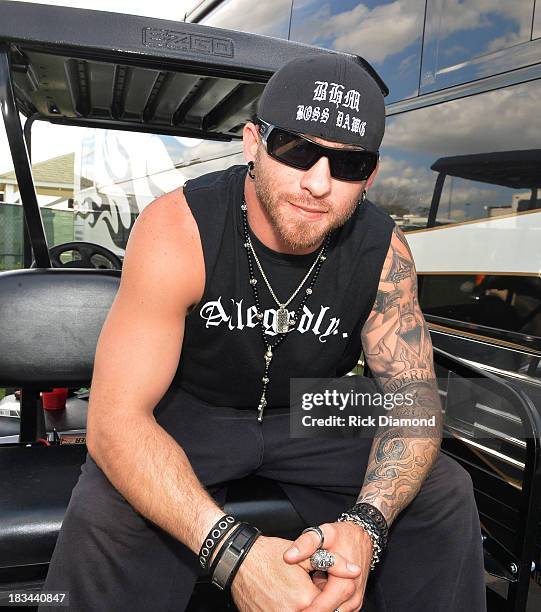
<point>231,286</point>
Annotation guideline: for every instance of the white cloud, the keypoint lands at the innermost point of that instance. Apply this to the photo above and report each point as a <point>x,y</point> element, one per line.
<point>398,173</point>
<point>463,15</point>
<point>270,18</point>
<point>398,21</point>
<point>374,33</point>
<point>387,29</point>
<point>494,121</point>
<point>401,186</point>
<point>507,40</point>
<point>467,16</point>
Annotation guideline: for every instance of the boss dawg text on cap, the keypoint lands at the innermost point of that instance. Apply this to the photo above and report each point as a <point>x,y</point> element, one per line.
<point>329,96</point>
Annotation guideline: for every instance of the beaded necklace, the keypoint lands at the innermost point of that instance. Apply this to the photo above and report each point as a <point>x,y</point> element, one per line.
<point>281,324</point>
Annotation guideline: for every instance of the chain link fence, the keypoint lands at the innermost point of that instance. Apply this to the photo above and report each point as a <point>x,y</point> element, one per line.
<point>11,236</point>
<point>58,224</point>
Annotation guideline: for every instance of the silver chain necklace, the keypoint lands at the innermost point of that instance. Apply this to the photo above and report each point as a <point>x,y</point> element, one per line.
<point>283,316</point>
<point>268,355</point>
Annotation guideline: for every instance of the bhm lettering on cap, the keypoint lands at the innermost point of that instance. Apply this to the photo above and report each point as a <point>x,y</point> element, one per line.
<point>327,95</point>
<point>333,93</point>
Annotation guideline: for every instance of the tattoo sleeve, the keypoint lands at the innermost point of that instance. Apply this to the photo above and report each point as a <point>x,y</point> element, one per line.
<point>398,350</point>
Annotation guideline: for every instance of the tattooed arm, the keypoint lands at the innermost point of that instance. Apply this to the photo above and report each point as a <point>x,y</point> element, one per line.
<point>398,350</point>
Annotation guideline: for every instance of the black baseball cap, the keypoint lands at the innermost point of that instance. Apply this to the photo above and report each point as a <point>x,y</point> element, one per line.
<point>328,95</point>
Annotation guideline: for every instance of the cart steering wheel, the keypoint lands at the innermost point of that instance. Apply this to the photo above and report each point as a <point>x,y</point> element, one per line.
<point>87,250</point>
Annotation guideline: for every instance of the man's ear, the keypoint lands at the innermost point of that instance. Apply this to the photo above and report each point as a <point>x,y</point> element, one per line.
<point>250,141</point>
<point>372,177</point>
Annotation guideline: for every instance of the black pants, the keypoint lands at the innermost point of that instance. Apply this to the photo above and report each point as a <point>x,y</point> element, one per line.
<point>111,558</point>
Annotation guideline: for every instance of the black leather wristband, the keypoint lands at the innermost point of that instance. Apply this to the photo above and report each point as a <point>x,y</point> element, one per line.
<point>247,546</point>
<point>373,516</point>
<point>214,537</point>
<point>222,550</point>
<point>228,558</point>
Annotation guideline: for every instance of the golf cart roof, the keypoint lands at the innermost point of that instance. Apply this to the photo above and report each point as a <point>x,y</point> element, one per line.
<point>111,70</point>
<point>516,169</point>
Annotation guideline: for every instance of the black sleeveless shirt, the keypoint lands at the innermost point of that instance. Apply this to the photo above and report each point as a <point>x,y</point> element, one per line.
<point>222,353</point>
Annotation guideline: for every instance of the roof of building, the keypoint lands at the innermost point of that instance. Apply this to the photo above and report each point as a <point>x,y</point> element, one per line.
<point>57,170</point>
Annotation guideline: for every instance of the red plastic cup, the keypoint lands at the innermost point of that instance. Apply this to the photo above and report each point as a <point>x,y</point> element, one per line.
<point>55,399</point>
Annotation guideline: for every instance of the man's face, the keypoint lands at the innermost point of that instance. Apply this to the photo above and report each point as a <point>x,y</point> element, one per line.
<point>406,307</point>
<point>304,205</point>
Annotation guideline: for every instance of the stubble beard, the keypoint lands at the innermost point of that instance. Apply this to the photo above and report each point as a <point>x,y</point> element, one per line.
<point>300,234</point>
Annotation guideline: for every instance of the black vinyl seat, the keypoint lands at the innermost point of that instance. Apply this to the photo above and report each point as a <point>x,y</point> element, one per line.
<point>9,426</point>
<point>50,320</point>
<point>36,487</point>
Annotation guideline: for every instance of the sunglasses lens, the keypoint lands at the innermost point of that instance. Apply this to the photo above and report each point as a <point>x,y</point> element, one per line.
<point>296,151</point>
<point>353,165</point>
<point>292,149</point>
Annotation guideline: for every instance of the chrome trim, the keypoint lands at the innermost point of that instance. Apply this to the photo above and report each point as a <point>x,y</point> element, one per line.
<point>494,370</point>
<point>500,435</point>
<point>75,432</point>
<point>490,451</point>
<point>472,336</point>
<point>499,413</point>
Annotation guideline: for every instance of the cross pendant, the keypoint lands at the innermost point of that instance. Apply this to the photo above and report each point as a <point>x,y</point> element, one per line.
<point>261,407</point>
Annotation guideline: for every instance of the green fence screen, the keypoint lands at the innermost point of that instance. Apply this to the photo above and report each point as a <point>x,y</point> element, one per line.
<point>58,226</point>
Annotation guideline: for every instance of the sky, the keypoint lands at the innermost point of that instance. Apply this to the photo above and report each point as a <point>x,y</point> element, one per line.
<point>47,140</point>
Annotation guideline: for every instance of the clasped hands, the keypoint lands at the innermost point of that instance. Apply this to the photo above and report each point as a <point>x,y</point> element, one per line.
<point>275,574</point>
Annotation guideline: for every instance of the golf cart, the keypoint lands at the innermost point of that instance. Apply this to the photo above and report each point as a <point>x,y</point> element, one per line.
<point>108,71</point>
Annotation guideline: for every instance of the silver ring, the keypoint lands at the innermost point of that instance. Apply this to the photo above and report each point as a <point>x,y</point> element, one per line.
<point>319,532</point>
<point>322,559</point>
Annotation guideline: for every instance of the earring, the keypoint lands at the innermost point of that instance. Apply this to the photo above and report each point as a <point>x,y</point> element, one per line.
<point>251,169</point>
<point>361,200</point>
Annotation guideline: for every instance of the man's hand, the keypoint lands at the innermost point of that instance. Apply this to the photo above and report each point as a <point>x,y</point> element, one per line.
<point>265,583</point>
<point>346,541</point>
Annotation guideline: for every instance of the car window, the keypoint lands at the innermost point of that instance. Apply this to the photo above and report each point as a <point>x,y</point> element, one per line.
<point>465,200</point>
<point>387,34</point>
<point>93,183</point>
<point>416,139</point>
<point>53,149</point>
<point>480,264</point>
<point>471,39</point>
<point>268,18</point>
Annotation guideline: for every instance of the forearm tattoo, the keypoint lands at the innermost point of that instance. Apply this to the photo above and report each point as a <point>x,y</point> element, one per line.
<point>398,350</point>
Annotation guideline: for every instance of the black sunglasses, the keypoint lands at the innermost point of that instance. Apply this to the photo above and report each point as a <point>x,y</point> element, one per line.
<point>300,152</point>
